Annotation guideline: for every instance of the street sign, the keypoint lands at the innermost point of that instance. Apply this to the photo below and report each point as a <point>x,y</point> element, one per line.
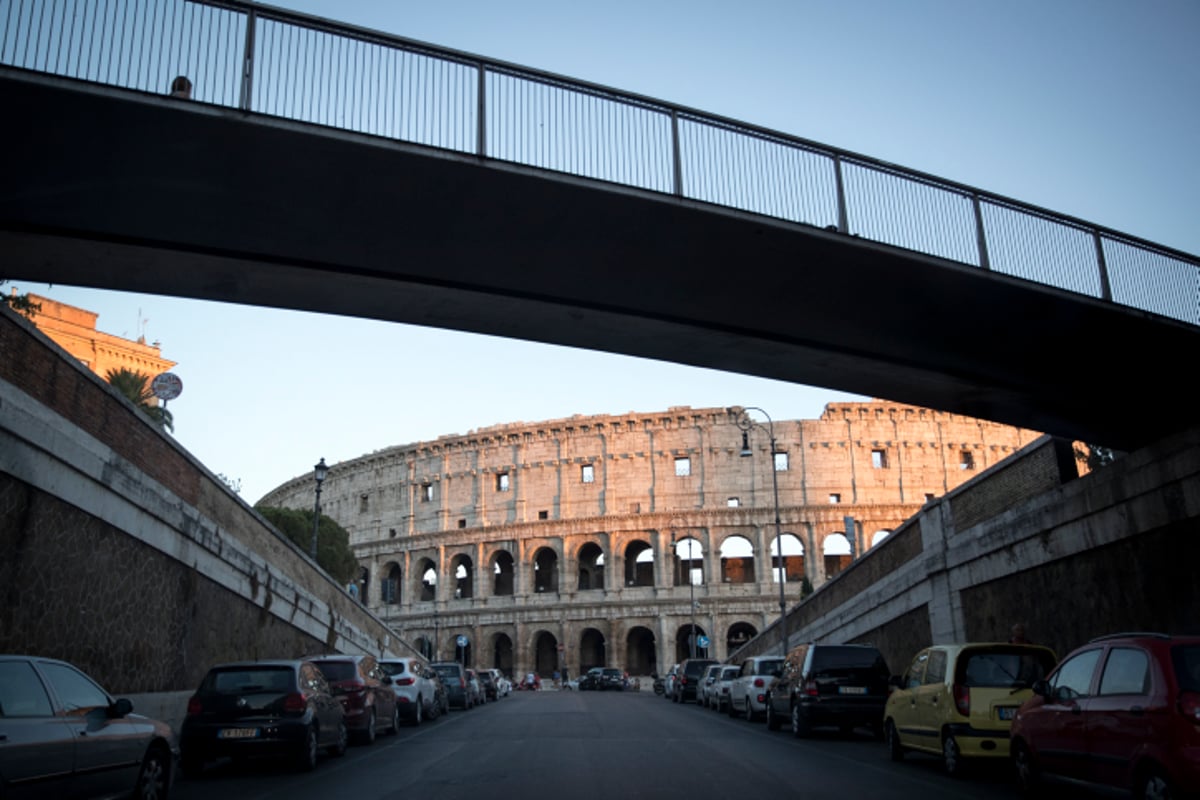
<point>166,386</point>
<point>702,641</point>
<point>461,641</point>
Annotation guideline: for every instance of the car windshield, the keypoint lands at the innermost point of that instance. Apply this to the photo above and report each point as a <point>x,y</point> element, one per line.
<point>769,667</point>
<point>447,671</point>
<point>1187,666</point>
<point>729,673</point>
<point>249,680</point>
<point>338,670</point>
<point>392,668</point>
<point>1005,668</point>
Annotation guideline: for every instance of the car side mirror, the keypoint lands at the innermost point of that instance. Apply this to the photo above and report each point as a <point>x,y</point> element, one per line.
<point>121,708</point>
<point>1041,688</point>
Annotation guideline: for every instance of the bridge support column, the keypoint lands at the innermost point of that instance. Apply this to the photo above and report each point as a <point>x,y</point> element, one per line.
<point>946,621</point>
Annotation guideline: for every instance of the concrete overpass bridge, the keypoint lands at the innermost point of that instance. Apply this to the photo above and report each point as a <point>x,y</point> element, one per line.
<point>330,168</point>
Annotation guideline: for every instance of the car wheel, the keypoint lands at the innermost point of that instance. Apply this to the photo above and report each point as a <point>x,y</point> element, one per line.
<point>340,742</point>
<point>1154,786</point>
<point>306,757</point>
<point>800,726</point>
<point>369,733</point>
<point>420,712</point>
<point>773,722</point>
<point>155,777</point>
<point>895,749</point>
<point>394,728</point>
<point>1029,781</point>
<point>952,761</point>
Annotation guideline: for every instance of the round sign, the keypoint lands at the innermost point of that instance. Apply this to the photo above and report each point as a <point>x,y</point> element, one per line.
<point>166,386</point>
<point>461,641</point>
<point>702,641</point>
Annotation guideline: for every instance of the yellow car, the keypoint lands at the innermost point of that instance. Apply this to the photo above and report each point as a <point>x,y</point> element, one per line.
<point>958,700</point>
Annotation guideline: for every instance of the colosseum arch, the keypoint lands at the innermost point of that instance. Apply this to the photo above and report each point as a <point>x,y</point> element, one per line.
<point>545,653</point>
<point>689,562</point>
<point>592,650</point>
<point>737,560</point>
<point>591,567</point>
<point>501,647</point>
<point>503,580</point>
<point>738,634</point>
<point>879,535</point>
<point>640,653</point>
<point>639,563</point>
<point>363,581</point>
<point>683,638</point>
<point>427,576</point>
<point>424,646</point>
<point>837,553</point>
<point>545,571</point>
<point>793,558</point>
<point>391,584</point>
<point>463,570</point>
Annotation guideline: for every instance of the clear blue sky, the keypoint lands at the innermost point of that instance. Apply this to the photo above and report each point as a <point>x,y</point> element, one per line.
<point>1086,107</point>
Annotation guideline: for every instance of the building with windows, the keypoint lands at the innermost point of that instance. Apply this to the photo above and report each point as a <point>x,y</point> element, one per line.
<point>628,540</point>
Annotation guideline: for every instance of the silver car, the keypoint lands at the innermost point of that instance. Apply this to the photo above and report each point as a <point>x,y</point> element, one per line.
<point>413,683</point>
<point>62,735</point>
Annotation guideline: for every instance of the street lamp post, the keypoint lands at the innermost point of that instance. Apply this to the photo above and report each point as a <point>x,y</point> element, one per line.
<point>319,472</point>
<point>746,423</point>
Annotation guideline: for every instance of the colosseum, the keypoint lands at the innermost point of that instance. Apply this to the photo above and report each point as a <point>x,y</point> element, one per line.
<point>628,540</point>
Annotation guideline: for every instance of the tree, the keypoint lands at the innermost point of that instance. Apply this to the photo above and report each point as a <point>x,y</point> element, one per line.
<point>1094,456</point>
<point>136,388</point>
<point>19,302</point>
<point>333,542</point>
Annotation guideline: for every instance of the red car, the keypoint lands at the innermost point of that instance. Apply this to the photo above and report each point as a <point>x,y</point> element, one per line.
<point>365,690</point>
<point>1121,712</point>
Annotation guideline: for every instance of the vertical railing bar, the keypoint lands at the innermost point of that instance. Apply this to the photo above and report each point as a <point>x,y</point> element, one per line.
<point>1102,265</point>
<point>481,112</point>
<point>248,60</point>
<point>843,216</point>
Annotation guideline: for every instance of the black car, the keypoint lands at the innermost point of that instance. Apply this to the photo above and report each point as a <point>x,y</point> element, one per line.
<point>839,685</point>
<point>688,678</point>
<point>262,708</point>
<point>62,735</point>
<point>611,679</point>
<point>591,680</point>
<point>454,677</point>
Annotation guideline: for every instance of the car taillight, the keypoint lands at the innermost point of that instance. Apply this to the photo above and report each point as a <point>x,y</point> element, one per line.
<point>758,683</point>
<point>295,703</point>
<point>810,689</point>
<point>962,699</point>
<point>1189,706</point>
<point>195,706</point>
<point>404,681</point>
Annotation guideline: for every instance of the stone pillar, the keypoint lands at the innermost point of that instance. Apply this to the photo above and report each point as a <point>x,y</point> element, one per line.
<point>762,559</point>
<point>946,619</point>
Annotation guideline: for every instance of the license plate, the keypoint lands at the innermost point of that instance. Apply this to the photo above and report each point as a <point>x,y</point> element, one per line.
<point>1006,712</point>
<point>237,733</point>
<point>852,690</point>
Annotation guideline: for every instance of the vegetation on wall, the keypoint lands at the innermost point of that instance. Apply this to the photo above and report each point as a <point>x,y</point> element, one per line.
<point>19,302</point>
<point>136,389</point>
<point>333,542</point>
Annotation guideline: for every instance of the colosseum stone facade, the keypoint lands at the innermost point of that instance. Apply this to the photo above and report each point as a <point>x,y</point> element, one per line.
<point>606,540</point>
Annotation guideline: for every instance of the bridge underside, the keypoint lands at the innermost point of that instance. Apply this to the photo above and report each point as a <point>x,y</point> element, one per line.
<point>117,190</point>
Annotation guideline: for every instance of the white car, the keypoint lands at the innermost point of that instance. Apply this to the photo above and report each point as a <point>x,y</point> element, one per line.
<point>413,683</point>
<point>748,692</point>
<point>724,680</point>
<point>706,692</point>
<point>669,682</point>
<point>503,684</point>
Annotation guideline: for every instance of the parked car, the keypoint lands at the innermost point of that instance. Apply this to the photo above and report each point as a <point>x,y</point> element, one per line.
<point>487,685</point>
<point>415,688</point>
<point>612,678</point>
<point>474,688</point>
<point>61,734</point>
<point>262,708</point>
<point>591,680</point>
<point>366,694</point>
<point>503,684</point>
<point>688,678</point>
<point>958,700</point>
<point>669,682</point>
<point>748,691</point>
<point>724,681</point>
<point>1121,712</point>
<point>708,684</point>
<point>441,693</point>
<point>454,676</point>
<point>839,685</point>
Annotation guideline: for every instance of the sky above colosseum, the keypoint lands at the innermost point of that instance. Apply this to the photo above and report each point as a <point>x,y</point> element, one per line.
<point>1084,107</point>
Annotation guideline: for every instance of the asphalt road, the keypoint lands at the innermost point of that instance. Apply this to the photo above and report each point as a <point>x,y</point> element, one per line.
<point>601,746</point>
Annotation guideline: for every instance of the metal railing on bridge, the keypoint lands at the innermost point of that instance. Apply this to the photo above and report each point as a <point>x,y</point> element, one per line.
<point>268,60</point>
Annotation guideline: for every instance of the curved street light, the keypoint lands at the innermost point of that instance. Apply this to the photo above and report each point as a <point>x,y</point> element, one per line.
<point>747,423</point>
